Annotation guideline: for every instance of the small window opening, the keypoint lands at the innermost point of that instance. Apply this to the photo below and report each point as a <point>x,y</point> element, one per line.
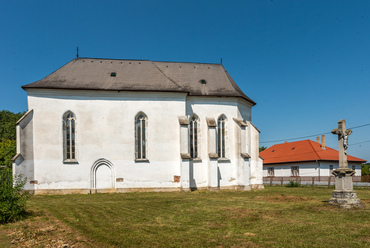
<point>113,74</point>
<point>293,148</point>
<point>202,81</point>
<point>273,150</point>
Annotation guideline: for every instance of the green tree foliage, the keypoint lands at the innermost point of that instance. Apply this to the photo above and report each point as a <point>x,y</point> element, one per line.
<point>7,136</point>
<point>365,169</point>
<point>7,124</point>
<point>12,197</point>
<point>262,148</point>
<point>7,151</point>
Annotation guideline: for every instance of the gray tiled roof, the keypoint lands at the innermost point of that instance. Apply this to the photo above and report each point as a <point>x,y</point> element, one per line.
<point>142,75</point>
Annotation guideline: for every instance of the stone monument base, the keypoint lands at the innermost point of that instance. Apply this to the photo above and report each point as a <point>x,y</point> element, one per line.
<point>344,196</point>
<point>345,199</point>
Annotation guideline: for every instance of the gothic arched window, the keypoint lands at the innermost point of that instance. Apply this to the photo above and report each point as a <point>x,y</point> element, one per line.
<point>141,136</point>
<point>221,134</point>
<point>193,136</point>
<point>69,137</point>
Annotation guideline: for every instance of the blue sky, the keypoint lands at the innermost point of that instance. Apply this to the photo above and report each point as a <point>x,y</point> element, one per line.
<point>305,63</point>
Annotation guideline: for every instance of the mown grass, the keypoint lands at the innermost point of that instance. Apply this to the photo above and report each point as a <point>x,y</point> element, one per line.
<point>274,217</point>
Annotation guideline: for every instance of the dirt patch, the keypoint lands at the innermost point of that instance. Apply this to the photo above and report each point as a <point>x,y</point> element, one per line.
<point>365,239</point>
<point>283,198</point>
<point>239,213</point>
<point>45,231</point>
<point>246,244</point>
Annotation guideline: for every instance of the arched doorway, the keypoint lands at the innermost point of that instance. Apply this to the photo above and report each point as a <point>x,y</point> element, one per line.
<point>102,174</point>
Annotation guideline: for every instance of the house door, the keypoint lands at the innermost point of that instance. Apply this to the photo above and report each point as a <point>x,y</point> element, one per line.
<point>103,177</point>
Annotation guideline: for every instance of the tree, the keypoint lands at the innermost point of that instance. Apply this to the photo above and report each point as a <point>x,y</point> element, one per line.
<point>365,169</point>
<point>262,148</point>
<point>8,149</point>
<point>8,136</point>
<point>7,124</point>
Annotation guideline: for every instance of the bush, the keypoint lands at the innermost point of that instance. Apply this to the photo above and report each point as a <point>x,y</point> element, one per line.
<point>12,197</point>
<point>294,183</point>
<point>365,169</point>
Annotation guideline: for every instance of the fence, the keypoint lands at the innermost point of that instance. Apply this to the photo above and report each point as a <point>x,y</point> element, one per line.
<point>323,180</point>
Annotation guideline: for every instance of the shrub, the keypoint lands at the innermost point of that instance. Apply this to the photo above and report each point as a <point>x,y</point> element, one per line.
<point>12,197</point>
<point>365,169</point>
<point>294,183</point>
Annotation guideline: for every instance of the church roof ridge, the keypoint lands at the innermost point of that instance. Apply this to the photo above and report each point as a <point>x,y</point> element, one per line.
<point>111,59</point>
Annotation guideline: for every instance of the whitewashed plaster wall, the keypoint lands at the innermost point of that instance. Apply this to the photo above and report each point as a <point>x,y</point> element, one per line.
<point>105,122</point>
<point>105,129</point>
<point>256,164</point>
<point>24,164</point>
<point>308,168</point>
<point>214,107</point>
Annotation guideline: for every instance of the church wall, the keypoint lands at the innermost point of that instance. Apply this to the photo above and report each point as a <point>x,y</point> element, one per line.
<point>256,162</point>
<point>244,110</point>
<point>105,129</point>
<point>24,164</point>
<point>214,107</point>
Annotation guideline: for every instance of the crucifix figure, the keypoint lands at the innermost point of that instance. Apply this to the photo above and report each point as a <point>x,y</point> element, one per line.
<point>344,196</point>
<point>343,134</point>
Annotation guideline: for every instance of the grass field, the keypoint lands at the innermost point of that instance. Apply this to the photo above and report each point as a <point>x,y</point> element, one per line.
<point>274,217</point>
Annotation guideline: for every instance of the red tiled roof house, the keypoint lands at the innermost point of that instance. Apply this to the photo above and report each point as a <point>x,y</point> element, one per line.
<point>304,158</point>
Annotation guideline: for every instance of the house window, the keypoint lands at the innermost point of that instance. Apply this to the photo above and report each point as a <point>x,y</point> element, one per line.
<point>221,136</point>
<point>353,167</point>
<point>193,136</point>
<point>140,133</point>
<point>330,170</point>
<point>270,171</point>
<point>295,171</point>
<point>69,137</point>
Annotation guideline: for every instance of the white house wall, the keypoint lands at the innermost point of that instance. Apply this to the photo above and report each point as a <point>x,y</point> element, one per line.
<point>311,169</point>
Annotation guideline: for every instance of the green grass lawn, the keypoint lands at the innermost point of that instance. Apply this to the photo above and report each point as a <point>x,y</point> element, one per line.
<point>273,217</point>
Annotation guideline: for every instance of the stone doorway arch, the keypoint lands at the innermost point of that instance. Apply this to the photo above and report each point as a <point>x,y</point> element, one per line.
<point>102,175</point>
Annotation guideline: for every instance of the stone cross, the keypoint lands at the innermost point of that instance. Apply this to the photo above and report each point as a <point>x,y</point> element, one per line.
<point>343,134</point>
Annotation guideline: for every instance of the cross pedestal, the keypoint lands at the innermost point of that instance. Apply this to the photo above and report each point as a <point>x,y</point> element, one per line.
<point>344,196</point>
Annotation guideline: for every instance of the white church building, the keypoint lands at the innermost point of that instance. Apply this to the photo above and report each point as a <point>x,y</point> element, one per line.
<point>104,125</point>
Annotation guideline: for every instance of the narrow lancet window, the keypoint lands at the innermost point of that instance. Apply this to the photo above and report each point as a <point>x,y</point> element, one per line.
<point>221,136</point>
<point>141,124</point>
<point>193,137</point>
<point>69,133</point>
